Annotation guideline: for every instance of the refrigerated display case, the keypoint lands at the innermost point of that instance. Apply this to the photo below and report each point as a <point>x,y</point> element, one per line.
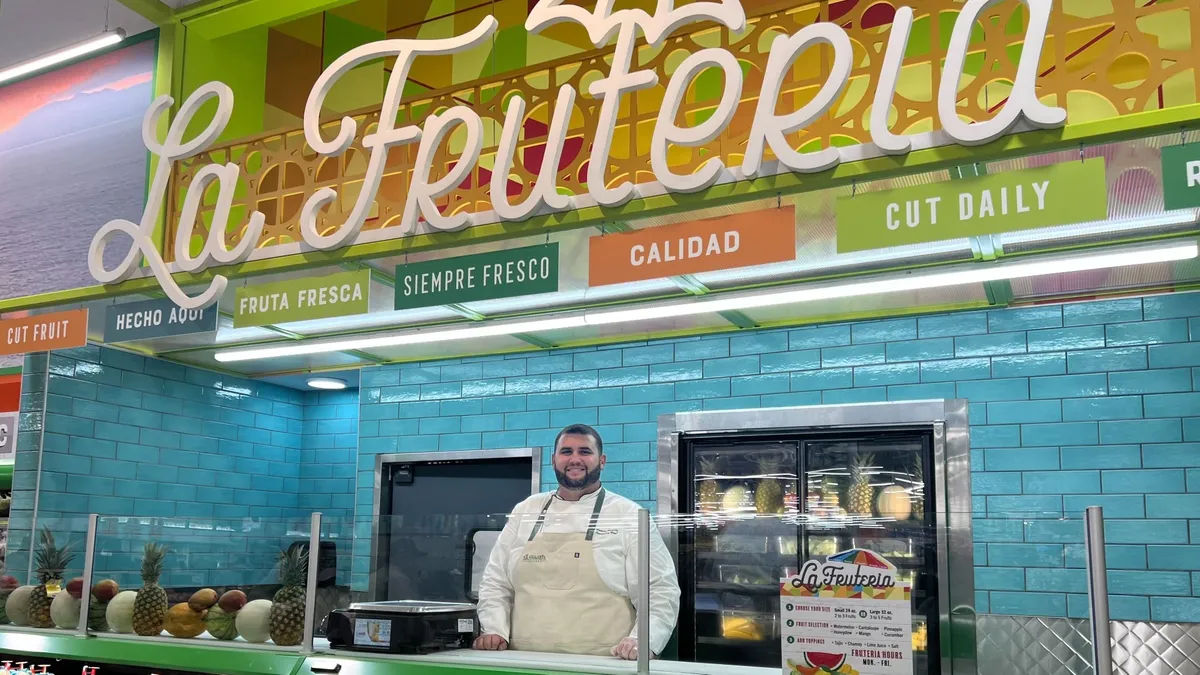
<point>762,491</point>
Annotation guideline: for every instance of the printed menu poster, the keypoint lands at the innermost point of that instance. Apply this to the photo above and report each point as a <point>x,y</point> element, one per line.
<point>846,616</point>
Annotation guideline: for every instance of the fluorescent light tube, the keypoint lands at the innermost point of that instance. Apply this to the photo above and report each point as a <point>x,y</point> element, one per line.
<point>975,273</point>
<point>486,330</point>
<point>99,42</point>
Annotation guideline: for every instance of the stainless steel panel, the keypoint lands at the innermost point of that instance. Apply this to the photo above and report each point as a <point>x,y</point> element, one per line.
<point>814,416</point>
<point>1033,645</point>
<point>1141,648</point>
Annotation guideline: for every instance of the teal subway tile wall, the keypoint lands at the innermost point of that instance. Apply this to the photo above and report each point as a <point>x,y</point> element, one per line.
<point>1071,405</point>
<point>167,453</point>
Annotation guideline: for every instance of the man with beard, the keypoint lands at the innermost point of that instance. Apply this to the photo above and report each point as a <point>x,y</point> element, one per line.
<point>562,577</point>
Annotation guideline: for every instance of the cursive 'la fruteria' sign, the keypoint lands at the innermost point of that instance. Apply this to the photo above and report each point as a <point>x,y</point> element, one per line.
<point>603,24</point>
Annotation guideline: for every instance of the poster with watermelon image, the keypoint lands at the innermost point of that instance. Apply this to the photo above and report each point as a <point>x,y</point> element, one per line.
<point>848,615</point>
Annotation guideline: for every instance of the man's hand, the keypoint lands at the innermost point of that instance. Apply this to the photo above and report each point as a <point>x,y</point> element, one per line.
<point>627,649</point>
<point>490,643</point>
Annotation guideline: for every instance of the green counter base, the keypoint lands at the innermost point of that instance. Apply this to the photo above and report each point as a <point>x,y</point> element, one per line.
<point>197,657</point>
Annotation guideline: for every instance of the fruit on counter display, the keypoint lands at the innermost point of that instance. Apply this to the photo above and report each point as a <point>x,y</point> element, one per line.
<point>232,601</point>
<point>253,621</point>
<point>894,502</point>
<point>917,471</point>
<point>860,493</point>
<point>102,594</point>
<point>120,612</point>
<point>287,608</point>
<point>221,624</point>
<point>64,611</point>
<point>98,615</point>
<point>150,606</point>
<point>202,599</point>
<point>8,584</point>
<point>708,490</point>
<point>768,493</point>
<point>75,588</point>
<point>50,560</point>
<point>17,605</point>
<point>184,622</point>
<point>106,590</point>
<point>740,628</point>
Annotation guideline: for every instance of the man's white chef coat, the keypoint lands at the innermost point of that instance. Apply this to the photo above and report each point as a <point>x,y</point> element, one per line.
<point>615,547</point>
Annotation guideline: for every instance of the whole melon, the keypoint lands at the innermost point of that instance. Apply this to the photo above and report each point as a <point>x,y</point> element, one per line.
<point>253,621</point>
<point>183,621</point>
<point>97,616</point>
<point>894,502</point>
<point>64,610</point>
<point>221,624</point>
<point>4,593</point>
<point>120,612</point>
<point>17,606</point>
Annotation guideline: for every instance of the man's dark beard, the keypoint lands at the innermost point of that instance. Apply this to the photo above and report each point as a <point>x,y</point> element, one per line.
<point>591,477</point>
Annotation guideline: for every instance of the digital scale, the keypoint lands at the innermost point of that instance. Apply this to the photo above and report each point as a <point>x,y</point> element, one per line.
<point>402,626</point>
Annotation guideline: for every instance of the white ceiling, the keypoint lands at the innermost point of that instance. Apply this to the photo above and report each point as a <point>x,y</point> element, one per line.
<point>31,28</point>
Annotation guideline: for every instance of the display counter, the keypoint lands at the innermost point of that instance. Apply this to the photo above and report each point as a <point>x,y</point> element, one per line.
<point>137,656</point>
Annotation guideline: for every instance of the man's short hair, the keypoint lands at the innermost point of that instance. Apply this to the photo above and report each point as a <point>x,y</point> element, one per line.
<point>580,430</point>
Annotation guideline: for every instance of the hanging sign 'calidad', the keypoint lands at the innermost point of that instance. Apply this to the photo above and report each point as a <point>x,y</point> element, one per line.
<point>769,130</point>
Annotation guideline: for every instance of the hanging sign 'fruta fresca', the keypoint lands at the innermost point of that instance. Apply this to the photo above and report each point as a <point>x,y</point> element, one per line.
<point>769,130</point>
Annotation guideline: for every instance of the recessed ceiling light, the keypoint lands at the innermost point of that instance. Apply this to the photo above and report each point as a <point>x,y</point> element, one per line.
<point>326,383</point>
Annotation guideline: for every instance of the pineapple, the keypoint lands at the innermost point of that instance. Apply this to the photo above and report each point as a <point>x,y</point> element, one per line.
<point>918,494</point>
<point>51,561</point>
<point>831,497</point>
<point>150,605</point>
<point>286,620</point>
<point>708,493</point>
<point>768,494</point>
<point>860,493</point>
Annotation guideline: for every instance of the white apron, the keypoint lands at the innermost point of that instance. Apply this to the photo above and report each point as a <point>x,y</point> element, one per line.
<point>561,604</point>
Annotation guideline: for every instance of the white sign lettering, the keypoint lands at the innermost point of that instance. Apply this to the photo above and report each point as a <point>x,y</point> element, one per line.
<point>770,129</point>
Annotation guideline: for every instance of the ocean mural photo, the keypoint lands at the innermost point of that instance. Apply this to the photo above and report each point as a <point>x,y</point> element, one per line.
<point>71,158</point>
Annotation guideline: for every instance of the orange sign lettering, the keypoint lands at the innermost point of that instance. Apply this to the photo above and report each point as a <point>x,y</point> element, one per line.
<point>60,330</point>
<point>739,240</point>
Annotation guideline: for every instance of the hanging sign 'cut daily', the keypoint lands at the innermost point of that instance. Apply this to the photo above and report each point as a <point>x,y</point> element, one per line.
<point>485,276</point>
<point>1181,176</point>
<point>1059,194</point>
<point>770,129</point>
<point>739,240</point>
<point>44,332</point>
<point>341,294</point>
<point>155,319</point>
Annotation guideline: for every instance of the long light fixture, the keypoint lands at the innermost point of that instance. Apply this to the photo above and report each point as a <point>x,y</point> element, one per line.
<point>105,39</point>
<point>976,273</point>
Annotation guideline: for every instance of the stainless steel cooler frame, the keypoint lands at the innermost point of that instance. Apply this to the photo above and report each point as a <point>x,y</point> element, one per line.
<point>947,418</point>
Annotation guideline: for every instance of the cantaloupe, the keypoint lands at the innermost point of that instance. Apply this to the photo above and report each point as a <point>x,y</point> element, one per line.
<point>120,612</point>
<point>64,610</point>
<point>221,624</point>
<point>253,621</point>
<point>183,621</point>
<point>17,606</point>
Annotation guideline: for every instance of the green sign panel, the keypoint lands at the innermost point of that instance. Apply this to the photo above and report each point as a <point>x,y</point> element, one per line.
<point>339,294</point>
<point>485,276</point>
<point>1181,176</point>
<point>1059,194</point>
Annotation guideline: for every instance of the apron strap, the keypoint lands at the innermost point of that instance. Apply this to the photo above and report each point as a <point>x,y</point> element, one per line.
<point>591,532</point>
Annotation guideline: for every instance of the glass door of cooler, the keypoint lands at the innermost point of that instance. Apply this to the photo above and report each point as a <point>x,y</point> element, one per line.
<point>874,492</point>
<point>744,494</point>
